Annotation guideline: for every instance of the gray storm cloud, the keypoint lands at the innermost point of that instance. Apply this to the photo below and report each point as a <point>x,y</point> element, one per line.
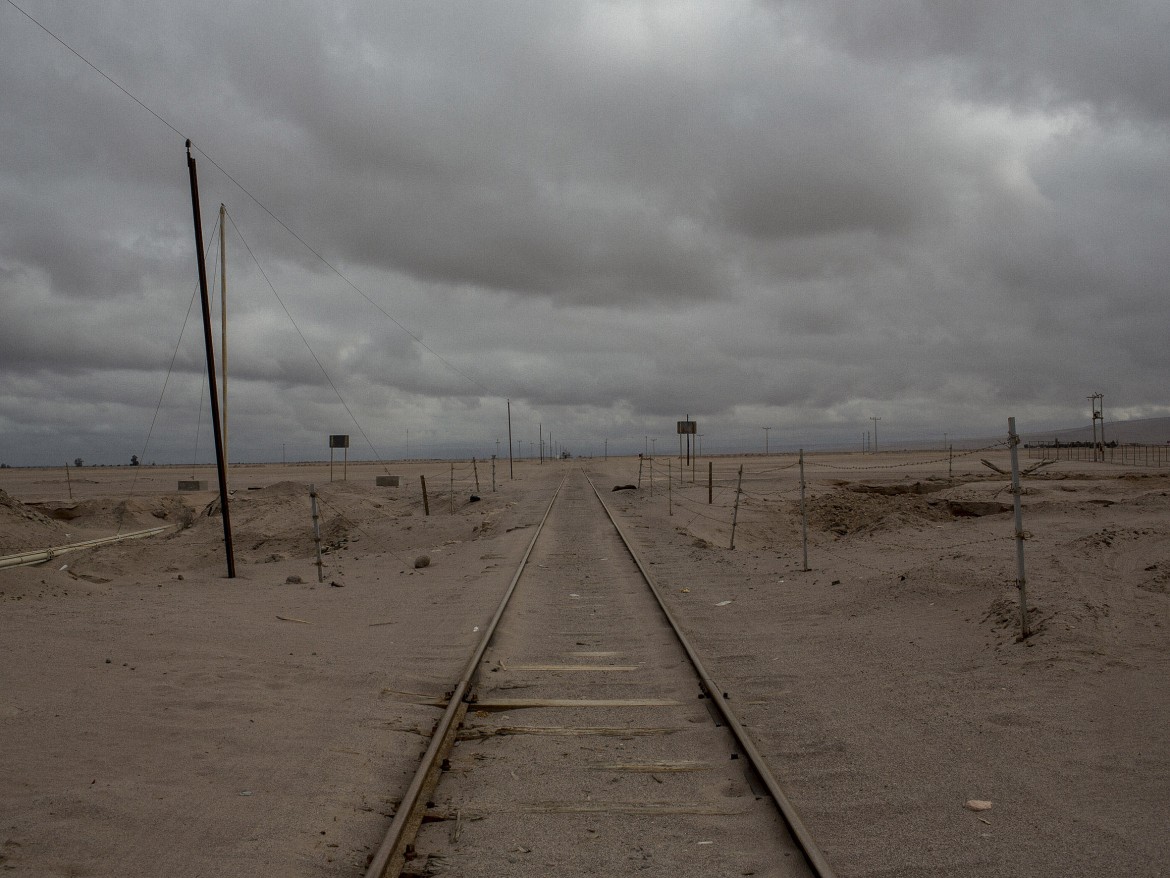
<point>794,213</point>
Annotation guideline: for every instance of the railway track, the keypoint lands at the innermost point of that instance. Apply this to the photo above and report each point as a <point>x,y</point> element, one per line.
<point>585,736</point>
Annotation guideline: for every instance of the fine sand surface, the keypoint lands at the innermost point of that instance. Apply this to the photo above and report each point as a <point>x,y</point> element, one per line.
<point>157,717</point>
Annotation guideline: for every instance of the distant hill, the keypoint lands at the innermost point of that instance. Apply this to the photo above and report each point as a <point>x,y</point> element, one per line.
<point>1146,431</point>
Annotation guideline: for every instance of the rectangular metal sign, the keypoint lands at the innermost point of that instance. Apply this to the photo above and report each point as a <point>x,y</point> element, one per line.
<point>687,427</point>
<point>339,441</point>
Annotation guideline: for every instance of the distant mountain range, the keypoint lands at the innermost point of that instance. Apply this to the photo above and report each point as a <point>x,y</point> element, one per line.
<point>1146,431</point>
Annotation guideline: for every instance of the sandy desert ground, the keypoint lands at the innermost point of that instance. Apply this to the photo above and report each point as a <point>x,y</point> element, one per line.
<point>157,717</point>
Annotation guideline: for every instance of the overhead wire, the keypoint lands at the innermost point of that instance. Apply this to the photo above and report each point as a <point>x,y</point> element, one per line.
<point>417,339</point>
<point>308,346</point>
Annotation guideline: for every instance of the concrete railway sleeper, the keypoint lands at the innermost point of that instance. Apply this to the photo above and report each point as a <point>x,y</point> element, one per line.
<point>585,736</point>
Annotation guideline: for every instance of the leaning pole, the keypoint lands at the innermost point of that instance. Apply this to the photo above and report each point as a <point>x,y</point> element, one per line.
<point>214,391</point>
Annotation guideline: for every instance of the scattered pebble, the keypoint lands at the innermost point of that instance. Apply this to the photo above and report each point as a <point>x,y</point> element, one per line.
<point>293,579</point>
<point>422,561</point>
<point>977,805</point>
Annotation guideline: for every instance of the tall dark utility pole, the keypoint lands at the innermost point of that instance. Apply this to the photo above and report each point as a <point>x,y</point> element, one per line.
<point>213,389</point>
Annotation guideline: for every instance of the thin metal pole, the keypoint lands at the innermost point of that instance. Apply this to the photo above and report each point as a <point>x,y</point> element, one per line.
<point>803,513</point>
<point>493,473</point>
<point>669,496</point>
<point>210,350</point>
<point>316,533</point>
<point>710,481</point>
<point>426,502</point>
<point>1013,442</point>
<point>511,474</point>
<point>475,469</point>
<point>68,480</point>
<point>735,511</point>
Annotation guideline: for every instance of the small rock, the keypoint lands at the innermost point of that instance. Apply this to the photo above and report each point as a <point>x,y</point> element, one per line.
<point>977,805</point>
<point>422,561</point>
<point>293,579</point>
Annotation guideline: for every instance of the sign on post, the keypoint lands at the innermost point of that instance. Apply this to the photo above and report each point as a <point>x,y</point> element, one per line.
<point>339,440</point>
<point>686,428</point>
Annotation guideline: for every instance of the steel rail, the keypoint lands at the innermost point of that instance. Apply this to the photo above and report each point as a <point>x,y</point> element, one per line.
<point>808,847</point>
<point>406,819</point>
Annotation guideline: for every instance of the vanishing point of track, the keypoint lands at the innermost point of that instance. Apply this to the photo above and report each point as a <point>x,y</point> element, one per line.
<point>633,760</point>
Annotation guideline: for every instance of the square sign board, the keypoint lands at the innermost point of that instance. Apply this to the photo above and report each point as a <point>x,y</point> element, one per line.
<point>687,427</point>
<point>339,441</point>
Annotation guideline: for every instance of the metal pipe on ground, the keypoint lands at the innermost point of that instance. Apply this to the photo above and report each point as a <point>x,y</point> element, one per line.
<point>40,556</point>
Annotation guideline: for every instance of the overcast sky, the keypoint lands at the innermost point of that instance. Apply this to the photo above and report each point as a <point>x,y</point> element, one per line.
<point>799,215</point>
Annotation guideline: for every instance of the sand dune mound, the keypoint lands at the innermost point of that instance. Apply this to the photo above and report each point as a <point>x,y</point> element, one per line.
<point>848,510</point>
<point>23,528</point>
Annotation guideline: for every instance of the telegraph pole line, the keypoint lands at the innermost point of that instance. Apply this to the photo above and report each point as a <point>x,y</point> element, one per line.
<point>1097,402</point>
<point>223,321</point>
<point>765,429</point>
<point>874,447</point>
<point>213,394</point>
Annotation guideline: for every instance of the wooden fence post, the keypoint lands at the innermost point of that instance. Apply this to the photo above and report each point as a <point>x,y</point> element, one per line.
<point>316,533</point>
<point>803,513</point>
<point>1013,441</point>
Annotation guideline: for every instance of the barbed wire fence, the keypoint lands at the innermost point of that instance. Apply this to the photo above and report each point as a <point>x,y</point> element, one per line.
<point>735,493</point>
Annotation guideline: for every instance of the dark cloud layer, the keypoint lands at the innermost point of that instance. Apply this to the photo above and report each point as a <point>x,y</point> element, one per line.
<point>789,213</point>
